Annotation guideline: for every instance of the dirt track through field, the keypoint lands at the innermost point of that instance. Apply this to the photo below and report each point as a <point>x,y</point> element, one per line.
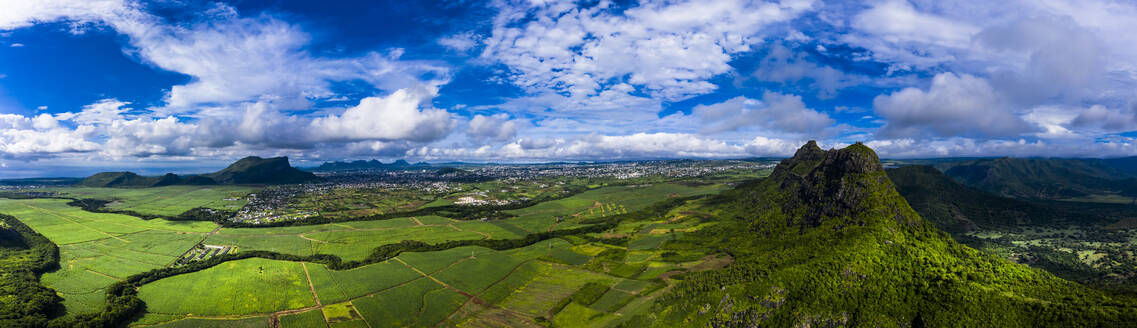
<point>310,287</point>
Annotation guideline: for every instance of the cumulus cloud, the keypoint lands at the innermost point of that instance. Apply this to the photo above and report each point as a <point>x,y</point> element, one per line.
<point>898,21</point>
<point>959,146</point>
<point>669,50</point>
<point>232,58</point>
<point>594,147</point>
<point>400,121</point>
<point>1098,118</point>
<point>497,127</point>
<point>247,74</point>
<point>1046,58</point>
<point>398,116</point>
<point>762,146</point>
<point>775,112</point>
<point>954,105</point>
<point>22,136</point>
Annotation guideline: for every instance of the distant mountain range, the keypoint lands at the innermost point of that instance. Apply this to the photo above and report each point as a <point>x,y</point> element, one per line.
<point>1033,178</point>
<point>954,207</point>
<point>367,165</point>
<point>248,170</point>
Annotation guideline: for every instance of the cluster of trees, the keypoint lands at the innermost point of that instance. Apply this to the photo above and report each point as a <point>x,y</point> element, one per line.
<point>24,256</point>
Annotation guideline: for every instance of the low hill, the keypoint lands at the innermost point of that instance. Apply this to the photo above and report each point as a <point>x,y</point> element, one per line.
<point>827,241</point>
<point>248,170</point>
<point>1030,178</point>
<point>118,179</point>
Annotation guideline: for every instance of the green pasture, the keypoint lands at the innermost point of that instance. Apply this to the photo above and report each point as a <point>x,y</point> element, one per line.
<point>248,286</point>
<point>601,202</point>
<point>167,200</point>
<point>99,249</point>
<point>338,286</point>
<point>254,322</point>
<point>311,318</point>
<point>356,240</point>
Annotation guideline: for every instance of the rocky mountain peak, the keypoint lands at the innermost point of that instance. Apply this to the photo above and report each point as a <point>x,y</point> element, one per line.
<point>837,183</point>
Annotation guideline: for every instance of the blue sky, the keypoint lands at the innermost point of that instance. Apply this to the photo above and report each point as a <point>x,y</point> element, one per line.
<point>190,85</point>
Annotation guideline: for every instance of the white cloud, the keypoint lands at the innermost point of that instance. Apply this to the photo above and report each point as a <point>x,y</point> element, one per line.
<point>898,22</point>
<point>1098,118</point>
<point>774,113</point>
<point>762,146</point>
<point>669,50</point>
<point>398,116</point>
<point>16,45</point>
<point>461,42</point>
<point>497,127</point>
<point>42,135</point>
<point>954,105</point>
<point>593,147</point>
<point>958,146</point>
<point>232,58</point>
<point>22,13</point>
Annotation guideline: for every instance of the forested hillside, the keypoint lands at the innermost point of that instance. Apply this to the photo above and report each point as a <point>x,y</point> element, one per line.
<point>1032,178</point>
<point>24,256</point>
<point>826,240</point>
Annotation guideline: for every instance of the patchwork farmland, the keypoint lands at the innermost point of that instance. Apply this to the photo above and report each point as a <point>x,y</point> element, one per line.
<point>531,284</point>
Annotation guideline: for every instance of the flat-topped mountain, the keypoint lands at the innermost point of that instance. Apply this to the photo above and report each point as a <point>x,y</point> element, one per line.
<point>256,170</point>
<point>248,170</point>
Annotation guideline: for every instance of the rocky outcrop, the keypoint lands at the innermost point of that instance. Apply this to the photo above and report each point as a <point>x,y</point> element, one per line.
<point>821,185</point>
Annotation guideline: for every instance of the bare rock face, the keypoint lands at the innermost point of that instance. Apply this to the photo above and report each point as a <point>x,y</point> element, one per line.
<point>821,185</point>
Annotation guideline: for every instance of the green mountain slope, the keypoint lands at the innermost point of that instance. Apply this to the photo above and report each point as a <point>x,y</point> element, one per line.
<point>953,207</point>
<point>118,179</point>
<point>248,170</point>
<point>827,241</point>
<point>1041,178</point>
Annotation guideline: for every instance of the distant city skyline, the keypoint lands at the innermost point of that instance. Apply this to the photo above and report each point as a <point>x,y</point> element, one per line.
<point>117,84</point>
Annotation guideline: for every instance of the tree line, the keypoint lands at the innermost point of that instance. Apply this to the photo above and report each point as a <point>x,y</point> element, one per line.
<point>25,255</point>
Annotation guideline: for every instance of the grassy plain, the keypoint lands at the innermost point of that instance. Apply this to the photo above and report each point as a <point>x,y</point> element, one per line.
<point>414,289</point>
<point>98,249</point>
<point>311,318</point>
<point>167,200</point>
<point>254,322</point>
<point>248,286</point>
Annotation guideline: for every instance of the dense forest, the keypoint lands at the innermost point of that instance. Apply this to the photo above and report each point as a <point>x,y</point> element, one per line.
<point>24,256</point>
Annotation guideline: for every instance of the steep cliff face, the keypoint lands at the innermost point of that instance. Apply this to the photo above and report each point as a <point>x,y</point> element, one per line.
<point>836,184</point>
